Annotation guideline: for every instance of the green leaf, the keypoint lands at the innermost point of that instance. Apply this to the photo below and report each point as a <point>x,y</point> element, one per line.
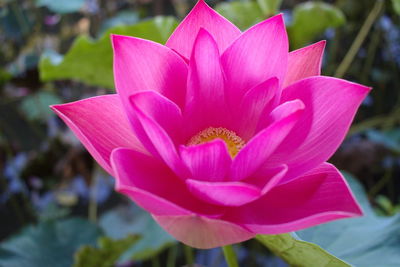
<point>36,106</point>
<point>367,241</point>
<point>396,6</point>
<point>269,7</point>
<point>90,61</point>
<point>131,220</point>
<point>242,14</point>
<point>311,19</point>
<point>106,254</point>
<point>299,253</point>
<point>61,6</point>
<point>48,243</point>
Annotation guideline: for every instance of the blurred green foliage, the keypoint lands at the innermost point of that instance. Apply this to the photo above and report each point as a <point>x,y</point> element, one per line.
<point>311,19</point>
<point>90,61</point>
<point>51,243</point>
<point>106,254</point>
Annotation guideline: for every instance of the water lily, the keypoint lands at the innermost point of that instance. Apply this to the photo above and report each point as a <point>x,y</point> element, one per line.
<point>222,134</point>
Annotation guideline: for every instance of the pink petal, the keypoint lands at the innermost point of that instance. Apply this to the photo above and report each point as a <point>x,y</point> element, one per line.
<point>319,196</point>
<point>260,147</point>
<point>207,162</point>
<point>304,62</point>
<point>202,16</point>
<point>149,183</point>
<point>161,141</point>
<point>224,193</point>
<point>141,65</point>
<point>205,100</point>
<point>101,125</point>
<point>162,110</point>
<point>331,105</point>
<point>266,179</point>
<point>258,54</point>
<point>203,233</point>
<point>256,103</point>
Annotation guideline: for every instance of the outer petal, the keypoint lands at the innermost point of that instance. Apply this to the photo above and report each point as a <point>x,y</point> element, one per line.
<point>208,162</point>
<point>331,105</point>
<point>101,125</point>
<point>319,196</point>
<point>205,100</point>
<point>304,62</point>
<point>224,193</point>
<point>145,65</point>
<point>258,54</point>
<point>256,103</point>
<point>258,149</point>
<point>202,16</point>
<point>203,233</point>
<point>153,186</point>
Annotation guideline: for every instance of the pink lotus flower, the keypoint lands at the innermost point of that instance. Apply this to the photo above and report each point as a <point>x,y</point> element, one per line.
<point>222,135</point>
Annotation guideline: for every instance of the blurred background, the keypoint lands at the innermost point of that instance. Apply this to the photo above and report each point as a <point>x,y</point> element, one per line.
<point>58,208</point>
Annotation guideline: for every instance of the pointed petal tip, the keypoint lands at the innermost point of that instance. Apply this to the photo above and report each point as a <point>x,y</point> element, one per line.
<point>115,38</point>
<point>320,45</point>
<point>360,87</point>
<point>202,15</point>
<point>203,34</point>
<point>278,18</point>
<point>55,107</point>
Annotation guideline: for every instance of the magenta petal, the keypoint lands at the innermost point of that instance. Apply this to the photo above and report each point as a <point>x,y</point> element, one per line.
<point>208,162</point>
<point>202,16</point>
<point>256,103</point>
<point>304,62</point>
<point>224,193</point>
<point>162,110</point>
<point>101,125</point>
<point>162,142</point>
<point>203,233</point>
<point>141,65</point>
<point>319,196</point>
<point>260,147</point>
<point>258,54</point>
<point>331,105</point>
<point>149,183</point>
<point>205,100</point>
<point>267,178</point>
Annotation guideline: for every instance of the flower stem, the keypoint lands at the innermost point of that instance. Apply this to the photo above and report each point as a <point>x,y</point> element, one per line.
<point>189,255</point>
<point>230,256</point>
<point>362,34</point>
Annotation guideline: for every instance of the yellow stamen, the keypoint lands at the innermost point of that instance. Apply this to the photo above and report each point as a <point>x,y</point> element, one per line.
<point>232,140</point>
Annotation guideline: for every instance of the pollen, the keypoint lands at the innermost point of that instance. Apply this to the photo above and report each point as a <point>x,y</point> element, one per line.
<point>232,140</point>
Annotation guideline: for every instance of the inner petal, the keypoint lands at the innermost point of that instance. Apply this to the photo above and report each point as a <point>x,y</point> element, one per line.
<point>233,141</point>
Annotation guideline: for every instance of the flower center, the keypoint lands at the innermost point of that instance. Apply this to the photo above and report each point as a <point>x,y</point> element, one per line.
<point>232,140</point>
